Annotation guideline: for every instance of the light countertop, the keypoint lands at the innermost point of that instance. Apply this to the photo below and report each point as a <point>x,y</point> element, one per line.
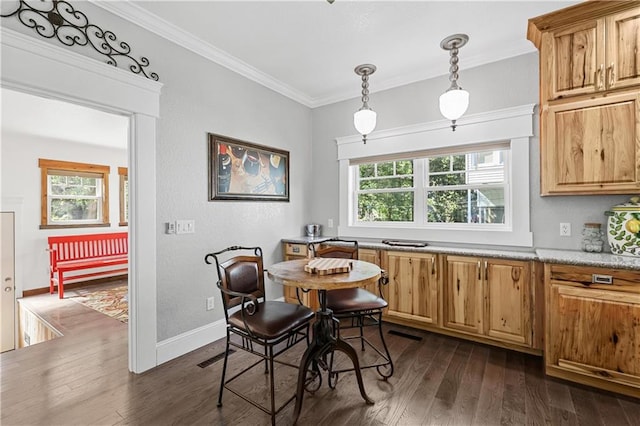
<point>568,257</point>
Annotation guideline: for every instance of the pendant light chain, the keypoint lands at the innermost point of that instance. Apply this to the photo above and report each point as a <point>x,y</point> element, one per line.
<point>453,69</point>
<point>365,90</point>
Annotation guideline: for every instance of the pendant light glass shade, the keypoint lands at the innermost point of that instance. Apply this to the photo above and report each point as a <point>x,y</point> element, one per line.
<point>364,120</point>
<point>454,103</point>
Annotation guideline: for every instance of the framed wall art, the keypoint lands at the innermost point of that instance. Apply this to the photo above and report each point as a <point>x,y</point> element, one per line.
<point>240,170</point>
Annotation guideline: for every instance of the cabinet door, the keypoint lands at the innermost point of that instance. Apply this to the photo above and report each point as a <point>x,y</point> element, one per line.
<point>310,299</point>
<point>463,295</point>
<point>508,300</point>
<point>623,49</point>
<point>594,332</point>
<point>591,146</point>
<point>575,62</point>
<point>371,256</point>
<point>412,292</point>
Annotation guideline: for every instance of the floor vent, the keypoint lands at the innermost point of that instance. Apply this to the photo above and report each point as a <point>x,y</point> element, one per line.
<point>212,360</point>
<point>406,335</point>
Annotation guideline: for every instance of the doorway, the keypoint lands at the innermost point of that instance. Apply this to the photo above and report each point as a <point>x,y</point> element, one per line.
<point>65,133</point>
<point>85,81</point>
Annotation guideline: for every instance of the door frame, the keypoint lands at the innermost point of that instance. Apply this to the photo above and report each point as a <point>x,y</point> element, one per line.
<point>4,260</point>
<point>34,66</point>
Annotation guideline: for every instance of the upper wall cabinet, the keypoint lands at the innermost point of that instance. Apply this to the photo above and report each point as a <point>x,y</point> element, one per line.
<point>592,56</point>
<point>589,138</point>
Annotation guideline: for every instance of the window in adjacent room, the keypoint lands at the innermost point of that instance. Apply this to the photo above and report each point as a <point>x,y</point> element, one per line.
<point>123,173</point>
<point>74,194</point>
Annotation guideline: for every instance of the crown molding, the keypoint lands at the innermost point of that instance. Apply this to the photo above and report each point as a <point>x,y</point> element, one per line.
<point>151,22</point>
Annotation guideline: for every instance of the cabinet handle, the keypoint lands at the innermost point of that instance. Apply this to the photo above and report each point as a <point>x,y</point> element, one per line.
<point>600,77</point>
<point>433,266</point>
<point>601,279</point>
<point>612,75</point>
<point>486,271</point>
<point>479,277</point>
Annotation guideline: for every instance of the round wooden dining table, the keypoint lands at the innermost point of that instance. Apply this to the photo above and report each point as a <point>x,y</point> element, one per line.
<point>325,340</point>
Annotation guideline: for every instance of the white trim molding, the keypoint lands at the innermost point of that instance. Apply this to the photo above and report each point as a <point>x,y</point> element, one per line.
<point>37,67</point>
<point>161,27</point>
<point>186,342</point>
<point>513,125</point>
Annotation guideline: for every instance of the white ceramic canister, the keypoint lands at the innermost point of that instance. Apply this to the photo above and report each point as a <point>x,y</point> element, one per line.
<point>623,230</point>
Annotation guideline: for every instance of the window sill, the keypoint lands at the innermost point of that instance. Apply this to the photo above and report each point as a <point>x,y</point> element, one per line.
<point>514,238</point>
<point>92,225</point>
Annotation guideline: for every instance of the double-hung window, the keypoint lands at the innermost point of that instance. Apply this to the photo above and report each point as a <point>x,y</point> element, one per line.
<point>435,190</point>
<point>74,194</point>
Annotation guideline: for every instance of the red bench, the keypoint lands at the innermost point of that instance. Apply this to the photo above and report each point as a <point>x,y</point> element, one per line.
<point>88,251</point>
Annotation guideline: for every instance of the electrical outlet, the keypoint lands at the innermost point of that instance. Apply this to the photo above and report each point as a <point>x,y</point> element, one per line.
<point>565,229</point>
<point>210,303</point>
<point>330,223</point>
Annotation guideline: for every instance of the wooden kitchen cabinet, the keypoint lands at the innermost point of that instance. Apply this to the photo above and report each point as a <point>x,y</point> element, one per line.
<point>489,297</point>
<point>371,256</point>
<point>589,86</point>
<point>592,56</point>
<point>593,326</point>
<point>412,292</point>
<point>509,313</point>
<point>294,251</point>
<point>592,145</point>
<point>463,297</point>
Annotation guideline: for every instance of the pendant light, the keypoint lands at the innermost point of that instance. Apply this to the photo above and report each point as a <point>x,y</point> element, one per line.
<point>455,101</point>
<point>364,119</point>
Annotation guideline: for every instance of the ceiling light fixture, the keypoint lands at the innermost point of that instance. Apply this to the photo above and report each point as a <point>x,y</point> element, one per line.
<point>455,101</point>
<point>364,119</point>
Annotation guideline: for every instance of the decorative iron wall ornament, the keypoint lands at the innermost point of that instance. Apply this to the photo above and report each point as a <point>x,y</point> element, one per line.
<point>59,19</point>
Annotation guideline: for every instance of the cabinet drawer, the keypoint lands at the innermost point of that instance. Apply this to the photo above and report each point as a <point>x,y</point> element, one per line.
<point>295,249</point>
<point>602,278</point>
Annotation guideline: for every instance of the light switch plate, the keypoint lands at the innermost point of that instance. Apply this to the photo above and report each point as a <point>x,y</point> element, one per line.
<point>185,226</point>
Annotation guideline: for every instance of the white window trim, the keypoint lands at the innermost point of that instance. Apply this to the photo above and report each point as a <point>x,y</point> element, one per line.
<point>514,125</point>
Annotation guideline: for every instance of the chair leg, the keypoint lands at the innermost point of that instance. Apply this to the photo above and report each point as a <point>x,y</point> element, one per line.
<point>224,370</point>
<point>361,325</point>
<point>385,375</point>
<point>266,360</point>
<point>273,387</point>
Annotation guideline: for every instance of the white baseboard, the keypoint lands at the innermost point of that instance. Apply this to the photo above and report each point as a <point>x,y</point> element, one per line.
<point>186,342</point>
<point>181,344</point>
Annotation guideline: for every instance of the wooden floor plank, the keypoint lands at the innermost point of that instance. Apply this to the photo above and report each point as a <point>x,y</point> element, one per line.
<point>467,400</point>
<point>536,398</point>
<point>442,407</point>
<point>513,401</point>
<point>489,407</point>
<point>586,411</point>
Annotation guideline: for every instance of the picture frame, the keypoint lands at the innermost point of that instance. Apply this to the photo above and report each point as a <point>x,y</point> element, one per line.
<point>245,171</point>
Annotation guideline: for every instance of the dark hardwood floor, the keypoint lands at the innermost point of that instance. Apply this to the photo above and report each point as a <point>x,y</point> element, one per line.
<point>82,379</point>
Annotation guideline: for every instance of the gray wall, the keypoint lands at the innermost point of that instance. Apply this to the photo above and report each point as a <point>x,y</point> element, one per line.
<point>503,84</point>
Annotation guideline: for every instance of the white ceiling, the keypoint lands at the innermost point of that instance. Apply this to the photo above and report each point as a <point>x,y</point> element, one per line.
<point>33,115</point>
<point>307,49</point>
